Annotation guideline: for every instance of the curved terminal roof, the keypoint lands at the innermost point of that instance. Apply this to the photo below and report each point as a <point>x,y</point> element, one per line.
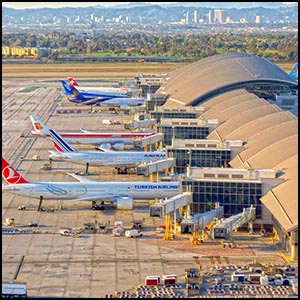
<point>211,76</point>
<point>228,130</point>
<point>233,106</point>
<point>264,138</point>
<point>232,127</point>
<point>282,201</point>
<point>269,134</point>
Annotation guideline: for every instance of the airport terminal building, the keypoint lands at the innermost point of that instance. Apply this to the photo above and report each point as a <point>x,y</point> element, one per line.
<point>240,145</point>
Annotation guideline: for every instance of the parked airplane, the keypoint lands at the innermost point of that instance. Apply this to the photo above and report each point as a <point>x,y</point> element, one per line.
<point>294,72</point>
<point>121,194</point>
<point>122,90</point>
<point>120,160</point>
<point>111,99</point>
<point>108,140</point>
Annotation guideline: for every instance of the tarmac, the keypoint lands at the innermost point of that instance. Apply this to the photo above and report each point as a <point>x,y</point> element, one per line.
<point>88,265</point>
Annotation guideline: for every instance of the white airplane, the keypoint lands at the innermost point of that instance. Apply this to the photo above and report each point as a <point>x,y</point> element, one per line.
<point>124,91</point>
<point>105,140</point>
<point>120,160</point>
<point>121,194</point>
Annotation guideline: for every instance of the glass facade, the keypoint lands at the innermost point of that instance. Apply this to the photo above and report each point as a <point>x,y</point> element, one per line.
<point>199,158</point>
<point>192,133</point>
<point>169,115</point>
<point>234,196</point>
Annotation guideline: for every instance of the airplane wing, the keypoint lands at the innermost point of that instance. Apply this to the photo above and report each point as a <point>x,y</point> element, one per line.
<point>81,178</point>
<point>86,131</point>
<point>102,149</point>
<point>108,197</point>
<point>93,101</point>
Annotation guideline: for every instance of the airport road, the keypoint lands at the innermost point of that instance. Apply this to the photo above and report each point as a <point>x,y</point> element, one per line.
<point>88,265</point>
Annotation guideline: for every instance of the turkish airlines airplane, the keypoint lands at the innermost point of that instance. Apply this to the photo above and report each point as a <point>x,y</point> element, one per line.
<point>106,140</point>
<point>118,159</point>
<point>121,194</point>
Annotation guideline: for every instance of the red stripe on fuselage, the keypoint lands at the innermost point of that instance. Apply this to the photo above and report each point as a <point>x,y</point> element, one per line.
<point>102,135</point>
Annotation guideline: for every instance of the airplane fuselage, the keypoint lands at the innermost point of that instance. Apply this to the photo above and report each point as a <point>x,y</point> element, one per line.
<point>91,190</point>
<point>128,158</point>
<point>98,138</point>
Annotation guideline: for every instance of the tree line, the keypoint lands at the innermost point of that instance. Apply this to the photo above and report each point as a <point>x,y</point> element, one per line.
<point>276,47</point>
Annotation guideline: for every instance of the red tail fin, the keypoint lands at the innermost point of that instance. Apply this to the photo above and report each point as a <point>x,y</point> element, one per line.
<point>72,81</point>
<point>10,175</point>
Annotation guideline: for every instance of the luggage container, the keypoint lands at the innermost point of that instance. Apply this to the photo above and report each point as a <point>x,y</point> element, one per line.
<point>238,277</point>
<point>169,279</point>
<point>152,280</point>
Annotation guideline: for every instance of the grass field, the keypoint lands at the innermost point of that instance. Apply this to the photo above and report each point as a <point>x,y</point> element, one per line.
<point>103,70</point>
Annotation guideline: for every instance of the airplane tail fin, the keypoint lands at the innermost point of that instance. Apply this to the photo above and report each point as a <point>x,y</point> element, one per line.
<point>11,175</point>
<point>72,81</point>
<point>60,144</point>
<point>67,87</point>
<point>40,129</point>
<point>294,72</point>
<point>71,90</point>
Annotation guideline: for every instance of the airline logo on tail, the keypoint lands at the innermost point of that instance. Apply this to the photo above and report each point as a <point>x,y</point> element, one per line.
<point>40,129</point>
<point>294,72</point>
<point>72,81</point>
<point>38,126</point>
<point>60,144</point>
<point>69,89</point>
<point>10,175</point>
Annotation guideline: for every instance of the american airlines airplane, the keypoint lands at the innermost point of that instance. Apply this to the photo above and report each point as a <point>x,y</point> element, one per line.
<point>108,140</point>
<point>120,160</point>
<point>121,194</point>
<point>109,99</point>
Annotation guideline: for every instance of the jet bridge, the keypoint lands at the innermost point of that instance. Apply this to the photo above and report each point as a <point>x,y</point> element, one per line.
<point>200,221</point>
<point>149,140</point>
<point>163,207</point>
<point>140,124</point>
<point>155,167</point>
<point>224,228</point>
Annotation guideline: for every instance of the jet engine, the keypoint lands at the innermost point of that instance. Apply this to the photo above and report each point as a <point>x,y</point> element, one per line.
<point>119,146</point>
<point>123,203</point>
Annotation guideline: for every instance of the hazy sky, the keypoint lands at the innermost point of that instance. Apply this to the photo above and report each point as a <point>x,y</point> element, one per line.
<point>23,5</point>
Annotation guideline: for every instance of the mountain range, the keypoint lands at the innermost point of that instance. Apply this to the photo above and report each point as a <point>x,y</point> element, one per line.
<point>219,5</point>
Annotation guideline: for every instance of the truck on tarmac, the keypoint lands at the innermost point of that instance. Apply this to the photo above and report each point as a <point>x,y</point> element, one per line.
<point>133,233</point>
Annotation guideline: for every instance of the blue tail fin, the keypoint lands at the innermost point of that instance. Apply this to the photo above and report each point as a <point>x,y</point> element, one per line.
<point>294,72</point>
<point>67,88</point>
<point>60,144</point>
<point>71,90</point>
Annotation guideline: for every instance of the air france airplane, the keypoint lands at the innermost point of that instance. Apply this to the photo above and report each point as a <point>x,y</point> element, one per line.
<point>121,194</point>
<point>108,140</point>
<point>111,99</point>
<point>125,159</point>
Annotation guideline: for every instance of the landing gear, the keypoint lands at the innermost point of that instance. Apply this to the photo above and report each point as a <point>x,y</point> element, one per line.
<point>87,168</point>
<point>121,170</point>
<point>40,204</point>
<point>97,206</point>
